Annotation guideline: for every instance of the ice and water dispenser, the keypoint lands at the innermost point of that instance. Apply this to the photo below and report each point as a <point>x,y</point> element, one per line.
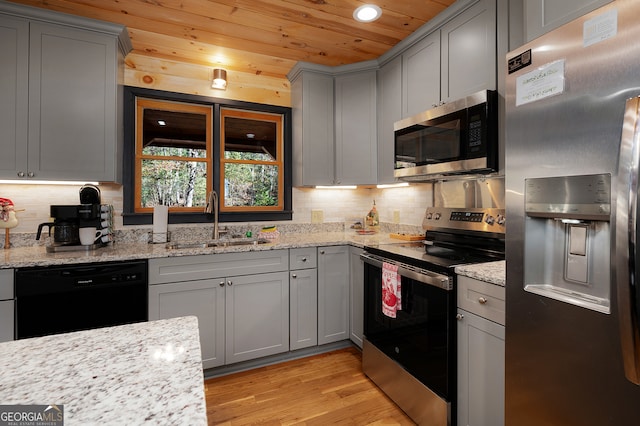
<point>567,239</point>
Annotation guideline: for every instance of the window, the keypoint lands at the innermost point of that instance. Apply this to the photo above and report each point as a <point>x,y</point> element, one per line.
<point>173,155</point>
<point>178,148</point>
<point>251,161</point>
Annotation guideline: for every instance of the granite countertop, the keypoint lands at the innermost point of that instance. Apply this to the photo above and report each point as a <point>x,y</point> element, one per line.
<point>125,375</point>
<point>491,272</point>
<point>22,257</point>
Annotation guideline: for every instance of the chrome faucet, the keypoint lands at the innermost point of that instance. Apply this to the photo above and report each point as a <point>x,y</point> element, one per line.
<point>212,207</point>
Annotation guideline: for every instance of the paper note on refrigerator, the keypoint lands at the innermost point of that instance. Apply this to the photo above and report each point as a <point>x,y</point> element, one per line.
<point>545,81</point>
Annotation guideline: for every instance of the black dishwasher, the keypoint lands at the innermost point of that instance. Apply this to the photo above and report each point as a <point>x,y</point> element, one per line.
<point>59,299</point>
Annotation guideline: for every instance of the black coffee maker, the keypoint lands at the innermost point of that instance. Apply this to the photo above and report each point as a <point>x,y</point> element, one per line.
<point>68,219</point>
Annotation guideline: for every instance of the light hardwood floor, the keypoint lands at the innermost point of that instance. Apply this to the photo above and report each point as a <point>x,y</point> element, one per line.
<point>324,389</point>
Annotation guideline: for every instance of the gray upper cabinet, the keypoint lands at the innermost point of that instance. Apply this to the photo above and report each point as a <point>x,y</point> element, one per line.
<point>468,46</point>
<point>457,59</point>
<point>312,104</point>
<point>355,121</point>
<point>421,75</point>
<point>389,111</point>
<point>14,102</point>
<point>542,16</point>
<point>65,76</point>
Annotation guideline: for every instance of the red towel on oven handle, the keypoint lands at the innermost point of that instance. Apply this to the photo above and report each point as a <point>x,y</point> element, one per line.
<point>391,290</point>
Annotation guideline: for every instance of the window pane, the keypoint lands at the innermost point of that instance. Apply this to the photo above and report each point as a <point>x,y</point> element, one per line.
<point>250,139</point>
<point>250,185</point>
<point>167,133</point>
<point>174,183</point>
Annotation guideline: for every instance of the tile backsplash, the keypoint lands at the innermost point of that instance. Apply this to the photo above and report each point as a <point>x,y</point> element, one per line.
<point>396,206</point>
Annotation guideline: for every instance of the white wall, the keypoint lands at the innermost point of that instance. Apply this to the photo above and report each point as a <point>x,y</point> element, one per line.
<point>338,205</point>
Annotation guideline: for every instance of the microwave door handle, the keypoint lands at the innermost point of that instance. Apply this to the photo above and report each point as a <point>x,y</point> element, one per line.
<point>626,255</point>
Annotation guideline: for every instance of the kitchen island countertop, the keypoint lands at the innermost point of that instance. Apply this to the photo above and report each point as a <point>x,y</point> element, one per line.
<point>148,372</point>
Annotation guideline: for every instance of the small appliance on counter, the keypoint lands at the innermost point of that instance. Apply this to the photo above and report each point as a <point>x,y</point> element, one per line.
<point>68,219</point>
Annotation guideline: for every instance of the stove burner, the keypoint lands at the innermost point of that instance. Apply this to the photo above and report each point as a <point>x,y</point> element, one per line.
<point>444,253</point>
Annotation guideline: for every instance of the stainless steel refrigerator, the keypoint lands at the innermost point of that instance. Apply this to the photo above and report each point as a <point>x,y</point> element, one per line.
<point>571,149</point>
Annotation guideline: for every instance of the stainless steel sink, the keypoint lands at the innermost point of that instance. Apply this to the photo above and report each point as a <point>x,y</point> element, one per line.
<point>216,243</point>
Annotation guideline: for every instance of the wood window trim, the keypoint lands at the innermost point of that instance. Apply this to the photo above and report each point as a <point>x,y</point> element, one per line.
<point>145,103</point>
<point>279,161</point>
<point>129,217</point>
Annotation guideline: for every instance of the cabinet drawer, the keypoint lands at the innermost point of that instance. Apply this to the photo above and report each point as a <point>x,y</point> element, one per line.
<point>189,268</point>
<point>481,298</point>
<point>303,258</point>
<point>6,284</point>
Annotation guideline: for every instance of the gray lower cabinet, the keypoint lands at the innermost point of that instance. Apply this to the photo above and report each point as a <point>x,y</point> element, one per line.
<point>257,316</point>
<point>6,305</point>
<point>333,294</point>
<point>356,295</point>
<point>204,299</point>
<point>241,301</point>
<point>55,109</point>
<point>481,337</point>
<point>303,298</point>
<point>542,16</point>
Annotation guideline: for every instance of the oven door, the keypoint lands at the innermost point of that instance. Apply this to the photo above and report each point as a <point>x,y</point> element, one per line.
<point>421,338</point>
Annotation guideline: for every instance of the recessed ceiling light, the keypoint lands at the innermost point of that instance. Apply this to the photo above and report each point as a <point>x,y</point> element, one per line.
<point>162,123</point>
<point>367,13</point>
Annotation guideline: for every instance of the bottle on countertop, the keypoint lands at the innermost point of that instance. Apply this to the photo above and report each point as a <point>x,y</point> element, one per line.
<point>373,219</point>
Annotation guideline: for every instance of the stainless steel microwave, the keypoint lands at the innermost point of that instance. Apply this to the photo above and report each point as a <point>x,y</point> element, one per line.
<point>459,137</point>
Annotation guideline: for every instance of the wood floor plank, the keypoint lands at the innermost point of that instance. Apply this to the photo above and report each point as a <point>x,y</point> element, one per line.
<point>319,390</point>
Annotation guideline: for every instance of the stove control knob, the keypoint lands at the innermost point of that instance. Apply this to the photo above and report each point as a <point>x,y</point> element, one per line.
<point>501,219</point>
<point>436,216</point>
<point>490,220</point>
<point>428,216</point>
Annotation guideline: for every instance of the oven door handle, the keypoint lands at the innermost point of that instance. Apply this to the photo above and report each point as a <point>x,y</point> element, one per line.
<point>413,272</point>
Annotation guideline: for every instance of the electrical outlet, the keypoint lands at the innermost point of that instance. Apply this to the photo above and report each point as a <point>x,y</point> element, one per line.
<point>396,216</point>
<point>317,216</point>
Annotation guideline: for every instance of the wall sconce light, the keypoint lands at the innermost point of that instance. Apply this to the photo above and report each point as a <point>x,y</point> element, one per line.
<point>219,79</point>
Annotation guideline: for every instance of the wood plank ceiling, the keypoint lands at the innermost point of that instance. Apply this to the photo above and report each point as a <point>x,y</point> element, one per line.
<point>263,37</point>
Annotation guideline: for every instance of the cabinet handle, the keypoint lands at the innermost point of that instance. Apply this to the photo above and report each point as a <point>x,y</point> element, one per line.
<point>459,317</point>
<point>229,282</point>
<point>304,259</point>
<point>321,251</point>
<point>31,174</point>
<point>294,275</point>
<point>482,300</point>
<point>221,283</point>
<point>20,174</point>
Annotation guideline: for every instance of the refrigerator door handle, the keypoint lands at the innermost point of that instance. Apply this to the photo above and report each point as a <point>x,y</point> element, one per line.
<point>626,256</point>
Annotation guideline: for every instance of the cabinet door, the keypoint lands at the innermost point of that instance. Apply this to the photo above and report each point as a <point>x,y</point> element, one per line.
<point>303,297</point>
<point>389,111</point>
<point>480,371</point>
<point>333,294</point>
<point>542,16</point>
<point>6,320</point>
<point>356,295</point>
<point>355,121</point>
<point>72,103</point>
<point>257,308</point>
<point>313,129</point>
<point>14,86</point>
<point>421,75</point>
<point>469,52</point>
<point>203,299</point>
